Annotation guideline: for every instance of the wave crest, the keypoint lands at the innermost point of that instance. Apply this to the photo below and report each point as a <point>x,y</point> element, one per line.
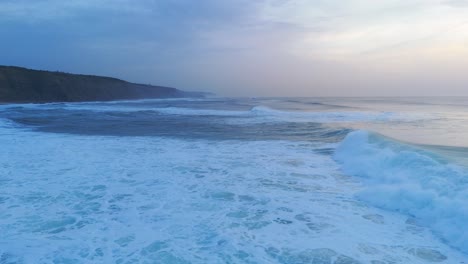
<point>413,181</point>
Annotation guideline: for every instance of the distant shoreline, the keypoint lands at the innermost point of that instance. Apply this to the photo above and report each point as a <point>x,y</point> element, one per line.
<point>22,85</point>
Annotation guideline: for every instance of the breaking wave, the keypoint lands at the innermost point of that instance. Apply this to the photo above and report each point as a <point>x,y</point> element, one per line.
<point>409,180</point>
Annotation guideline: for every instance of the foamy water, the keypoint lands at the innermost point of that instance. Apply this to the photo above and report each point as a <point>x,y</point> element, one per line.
<point>223,181</point>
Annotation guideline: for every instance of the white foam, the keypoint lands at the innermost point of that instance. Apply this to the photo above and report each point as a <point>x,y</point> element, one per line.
<point>111,199</point>
<point>198,112</point>
<point>410,180</point>
<point>266,114</point>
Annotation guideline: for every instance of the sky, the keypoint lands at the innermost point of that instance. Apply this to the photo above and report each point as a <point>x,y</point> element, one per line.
<point>248,47</point>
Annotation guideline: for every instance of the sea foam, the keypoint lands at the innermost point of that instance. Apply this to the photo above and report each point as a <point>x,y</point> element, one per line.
<point>410,180</point>
<point>252,192</point>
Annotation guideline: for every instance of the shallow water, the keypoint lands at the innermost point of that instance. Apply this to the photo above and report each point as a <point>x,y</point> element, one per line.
<point>223,180</point>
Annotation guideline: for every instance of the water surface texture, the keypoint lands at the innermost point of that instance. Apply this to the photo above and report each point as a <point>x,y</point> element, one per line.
<point>226,180</point>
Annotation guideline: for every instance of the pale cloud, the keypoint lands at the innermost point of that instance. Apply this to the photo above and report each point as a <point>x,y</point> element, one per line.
<point>457,3</point>
<point>244,47</point>
<point>340,29</point>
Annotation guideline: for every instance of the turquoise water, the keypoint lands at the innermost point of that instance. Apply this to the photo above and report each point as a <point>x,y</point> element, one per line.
<point>229,180</point>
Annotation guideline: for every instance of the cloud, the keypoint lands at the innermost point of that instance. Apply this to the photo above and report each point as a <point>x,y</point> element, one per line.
<point>240,46</point>
<point>457,3</point>
<point>361,27</point>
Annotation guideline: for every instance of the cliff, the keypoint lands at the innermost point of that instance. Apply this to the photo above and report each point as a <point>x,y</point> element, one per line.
<point>33,86</point>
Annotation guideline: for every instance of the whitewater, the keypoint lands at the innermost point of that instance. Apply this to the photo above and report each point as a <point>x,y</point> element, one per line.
<point>235,180</point>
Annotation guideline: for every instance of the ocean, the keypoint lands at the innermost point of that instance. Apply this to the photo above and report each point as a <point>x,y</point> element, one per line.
<point>235,180</point>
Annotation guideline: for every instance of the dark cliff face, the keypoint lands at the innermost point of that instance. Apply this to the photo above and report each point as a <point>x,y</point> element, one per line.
<point>25,85</point>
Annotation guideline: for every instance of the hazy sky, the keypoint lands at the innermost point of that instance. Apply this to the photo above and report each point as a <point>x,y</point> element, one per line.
<point>248,47</point>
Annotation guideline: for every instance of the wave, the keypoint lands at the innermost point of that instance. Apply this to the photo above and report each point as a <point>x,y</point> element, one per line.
<point>255,114</point>
<point>115,107</point>
<point>409,180</point>
<point>7,123</point>
<point>198,112</point>
<point>8,126</point>
<point>331,116</point>
<point>266,114</point>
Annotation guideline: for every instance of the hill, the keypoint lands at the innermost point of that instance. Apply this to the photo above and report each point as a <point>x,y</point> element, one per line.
<point>33,86</point>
